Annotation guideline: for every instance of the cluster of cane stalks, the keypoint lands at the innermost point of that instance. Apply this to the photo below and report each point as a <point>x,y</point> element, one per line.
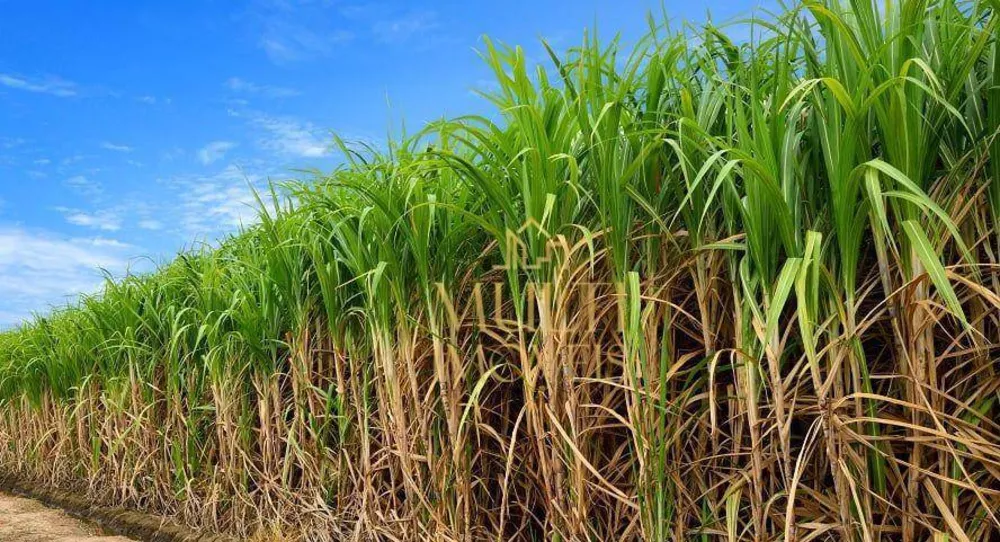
<point>708,288</point>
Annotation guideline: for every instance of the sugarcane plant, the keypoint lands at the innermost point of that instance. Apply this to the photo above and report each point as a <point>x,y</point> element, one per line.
<point>732,282</point>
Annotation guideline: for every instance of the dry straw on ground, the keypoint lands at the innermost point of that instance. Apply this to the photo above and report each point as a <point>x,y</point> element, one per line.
<point>711,290</point>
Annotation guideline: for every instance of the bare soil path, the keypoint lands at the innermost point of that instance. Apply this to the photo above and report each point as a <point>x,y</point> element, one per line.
<point>25,520</point>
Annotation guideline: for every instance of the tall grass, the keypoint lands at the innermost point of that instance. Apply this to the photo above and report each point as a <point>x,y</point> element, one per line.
<point>706,289</point>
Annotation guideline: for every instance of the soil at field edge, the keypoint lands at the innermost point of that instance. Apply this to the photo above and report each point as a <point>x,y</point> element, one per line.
<point>25,520</point>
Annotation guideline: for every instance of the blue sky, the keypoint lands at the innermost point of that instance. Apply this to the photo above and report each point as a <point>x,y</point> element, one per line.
<point>129,130</point>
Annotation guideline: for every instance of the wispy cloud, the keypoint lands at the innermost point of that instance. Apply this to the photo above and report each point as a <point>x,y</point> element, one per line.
<point>84,186</point>
<point>40,269</point>
<point>404,28</point>
<point>286,42</point>
<point>237,84</point>
<point>149,99</point>
<point>73,159</point>
<point>170,155</point>
<point>11,142</point>
<point>292,31</point>
<point>290,137</point>
<point>49,85</point>
<point>215,151</point>
<point>105,220</point>
<point>150,224</point>
<point>115,147</point>
<point>210,205</point>
<point>395,23</point>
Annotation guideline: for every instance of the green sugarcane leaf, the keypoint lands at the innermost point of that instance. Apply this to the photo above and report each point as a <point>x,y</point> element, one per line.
<point>929,258</point>
<point>783,287</point>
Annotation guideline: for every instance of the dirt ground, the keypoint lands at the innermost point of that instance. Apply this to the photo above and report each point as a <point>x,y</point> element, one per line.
<point>25,520</point>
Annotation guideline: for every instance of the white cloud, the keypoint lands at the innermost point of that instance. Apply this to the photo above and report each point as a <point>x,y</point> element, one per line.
<point>287,136</point>
<point>85,186</point>
<point>404,28</point>
<point>237,84</point>
<point>149,100</point>
<point>115,147</point>
<point>214,204</point>
<point>285,42</point>
<point>73,159</point>
<point>39,269</point>
<point>278,51</point>
<point>294,31</point>
<point>150,224</point>
<point>170,155</point>
<point>50,85</point>
<point>11,142</point>
<point>106,219</point>
<point>214,151</point>
<point>43,162</point>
